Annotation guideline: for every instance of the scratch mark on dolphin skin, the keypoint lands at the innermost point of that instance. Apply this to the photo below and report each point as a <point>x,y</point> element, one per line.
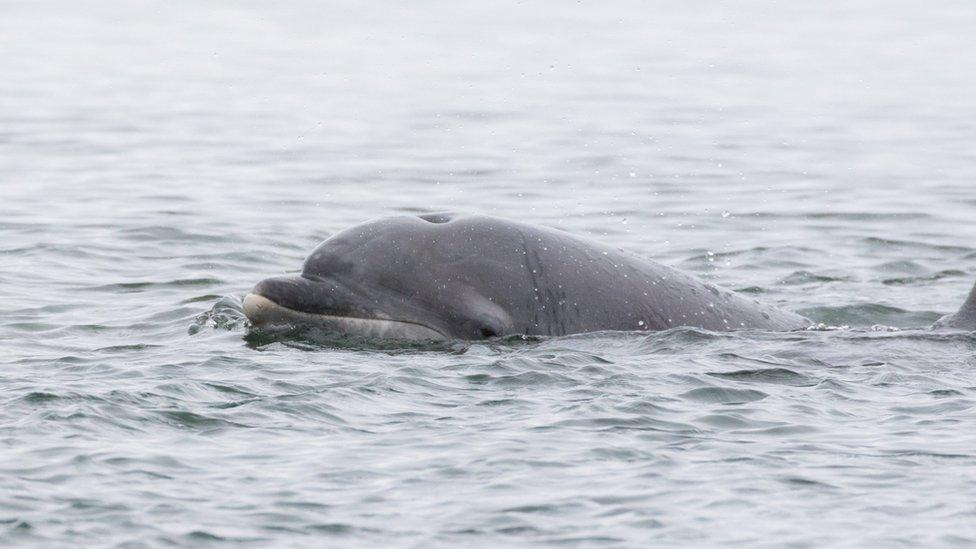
<point>536,276</point>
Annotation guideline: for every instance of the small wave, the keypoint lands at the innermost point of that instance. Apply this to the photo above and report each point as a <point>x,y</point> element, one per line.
<point>200,299</point>
<point>754,290</point>
<point>40,397</point>
<point>331,528</point>
<point>912,280</point>
<point>903,266</point>
<point>161,233</point>
<point>193,420</point>
<point>783,256</point>
<point>869,216</point>
<point>640,423</point>
<point>777,376</point>
<point>723,395</point>
<point>869,314</point>
<point>198,537</point>
<point>888,243</point>
<point>124,349</point>
<point>524,379</point>
<point>135,287</point>
<point>804,482</point>
<point>941,393</point>
<point>727,421</point>
<point>806,277</point>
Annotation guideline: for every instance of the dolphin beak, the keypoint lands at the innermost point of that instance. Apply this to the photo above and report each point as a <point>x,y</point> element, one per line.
<point>261,311</point>
<point>298,301</point>
<point>270,300</point>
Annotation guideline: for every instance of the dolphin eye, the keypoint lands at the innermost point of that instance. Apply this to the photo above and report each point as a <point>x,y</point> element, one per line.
<point>488,332</point>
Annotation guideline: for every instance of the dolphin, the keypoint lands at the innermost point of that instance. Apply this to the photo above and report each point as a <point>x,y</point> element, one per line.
<point>447,276</point>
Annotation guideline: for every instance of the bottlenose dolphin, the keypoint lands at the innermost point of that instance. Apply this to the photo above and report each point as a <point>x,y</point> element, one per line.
<point>444,276</point>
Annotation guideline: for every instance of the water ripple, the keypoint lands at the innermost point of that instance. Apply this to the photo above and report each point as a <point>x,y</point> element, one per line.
<point>800,153</point>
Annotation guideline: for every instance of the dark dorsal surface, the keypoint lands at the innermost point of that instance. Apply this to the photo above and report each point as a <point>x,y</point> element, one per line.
<point>478,276</point>
<point>554,283</point>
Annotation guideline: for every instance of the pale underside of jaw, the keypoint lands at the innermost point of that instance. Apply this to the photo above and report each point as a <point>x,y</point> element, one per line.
<point>263,312</point>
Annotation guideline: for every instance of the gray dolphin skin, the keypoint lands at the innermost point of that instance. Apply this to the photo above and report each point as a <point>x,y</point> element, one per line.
<point>964,318</point>
<point>445,276</point>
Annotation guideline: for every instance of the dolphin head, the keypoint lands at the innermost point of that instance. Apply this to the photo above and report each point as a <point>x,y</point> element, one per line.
<point>406,277</point>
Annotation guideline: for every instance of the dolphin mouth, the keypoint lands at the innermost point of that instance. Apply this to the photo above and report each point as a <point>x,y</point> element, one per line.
<point>263,312</point>
<point>298,301</point>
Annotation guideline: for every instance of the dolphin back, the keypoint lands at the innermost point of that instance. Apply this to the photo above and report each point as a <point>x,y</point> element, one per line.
<point>964,318</point>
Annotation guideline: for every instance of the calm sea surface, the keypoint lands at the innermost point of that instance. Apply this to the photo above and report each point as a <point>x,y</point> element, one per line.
<point>159,158</point>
